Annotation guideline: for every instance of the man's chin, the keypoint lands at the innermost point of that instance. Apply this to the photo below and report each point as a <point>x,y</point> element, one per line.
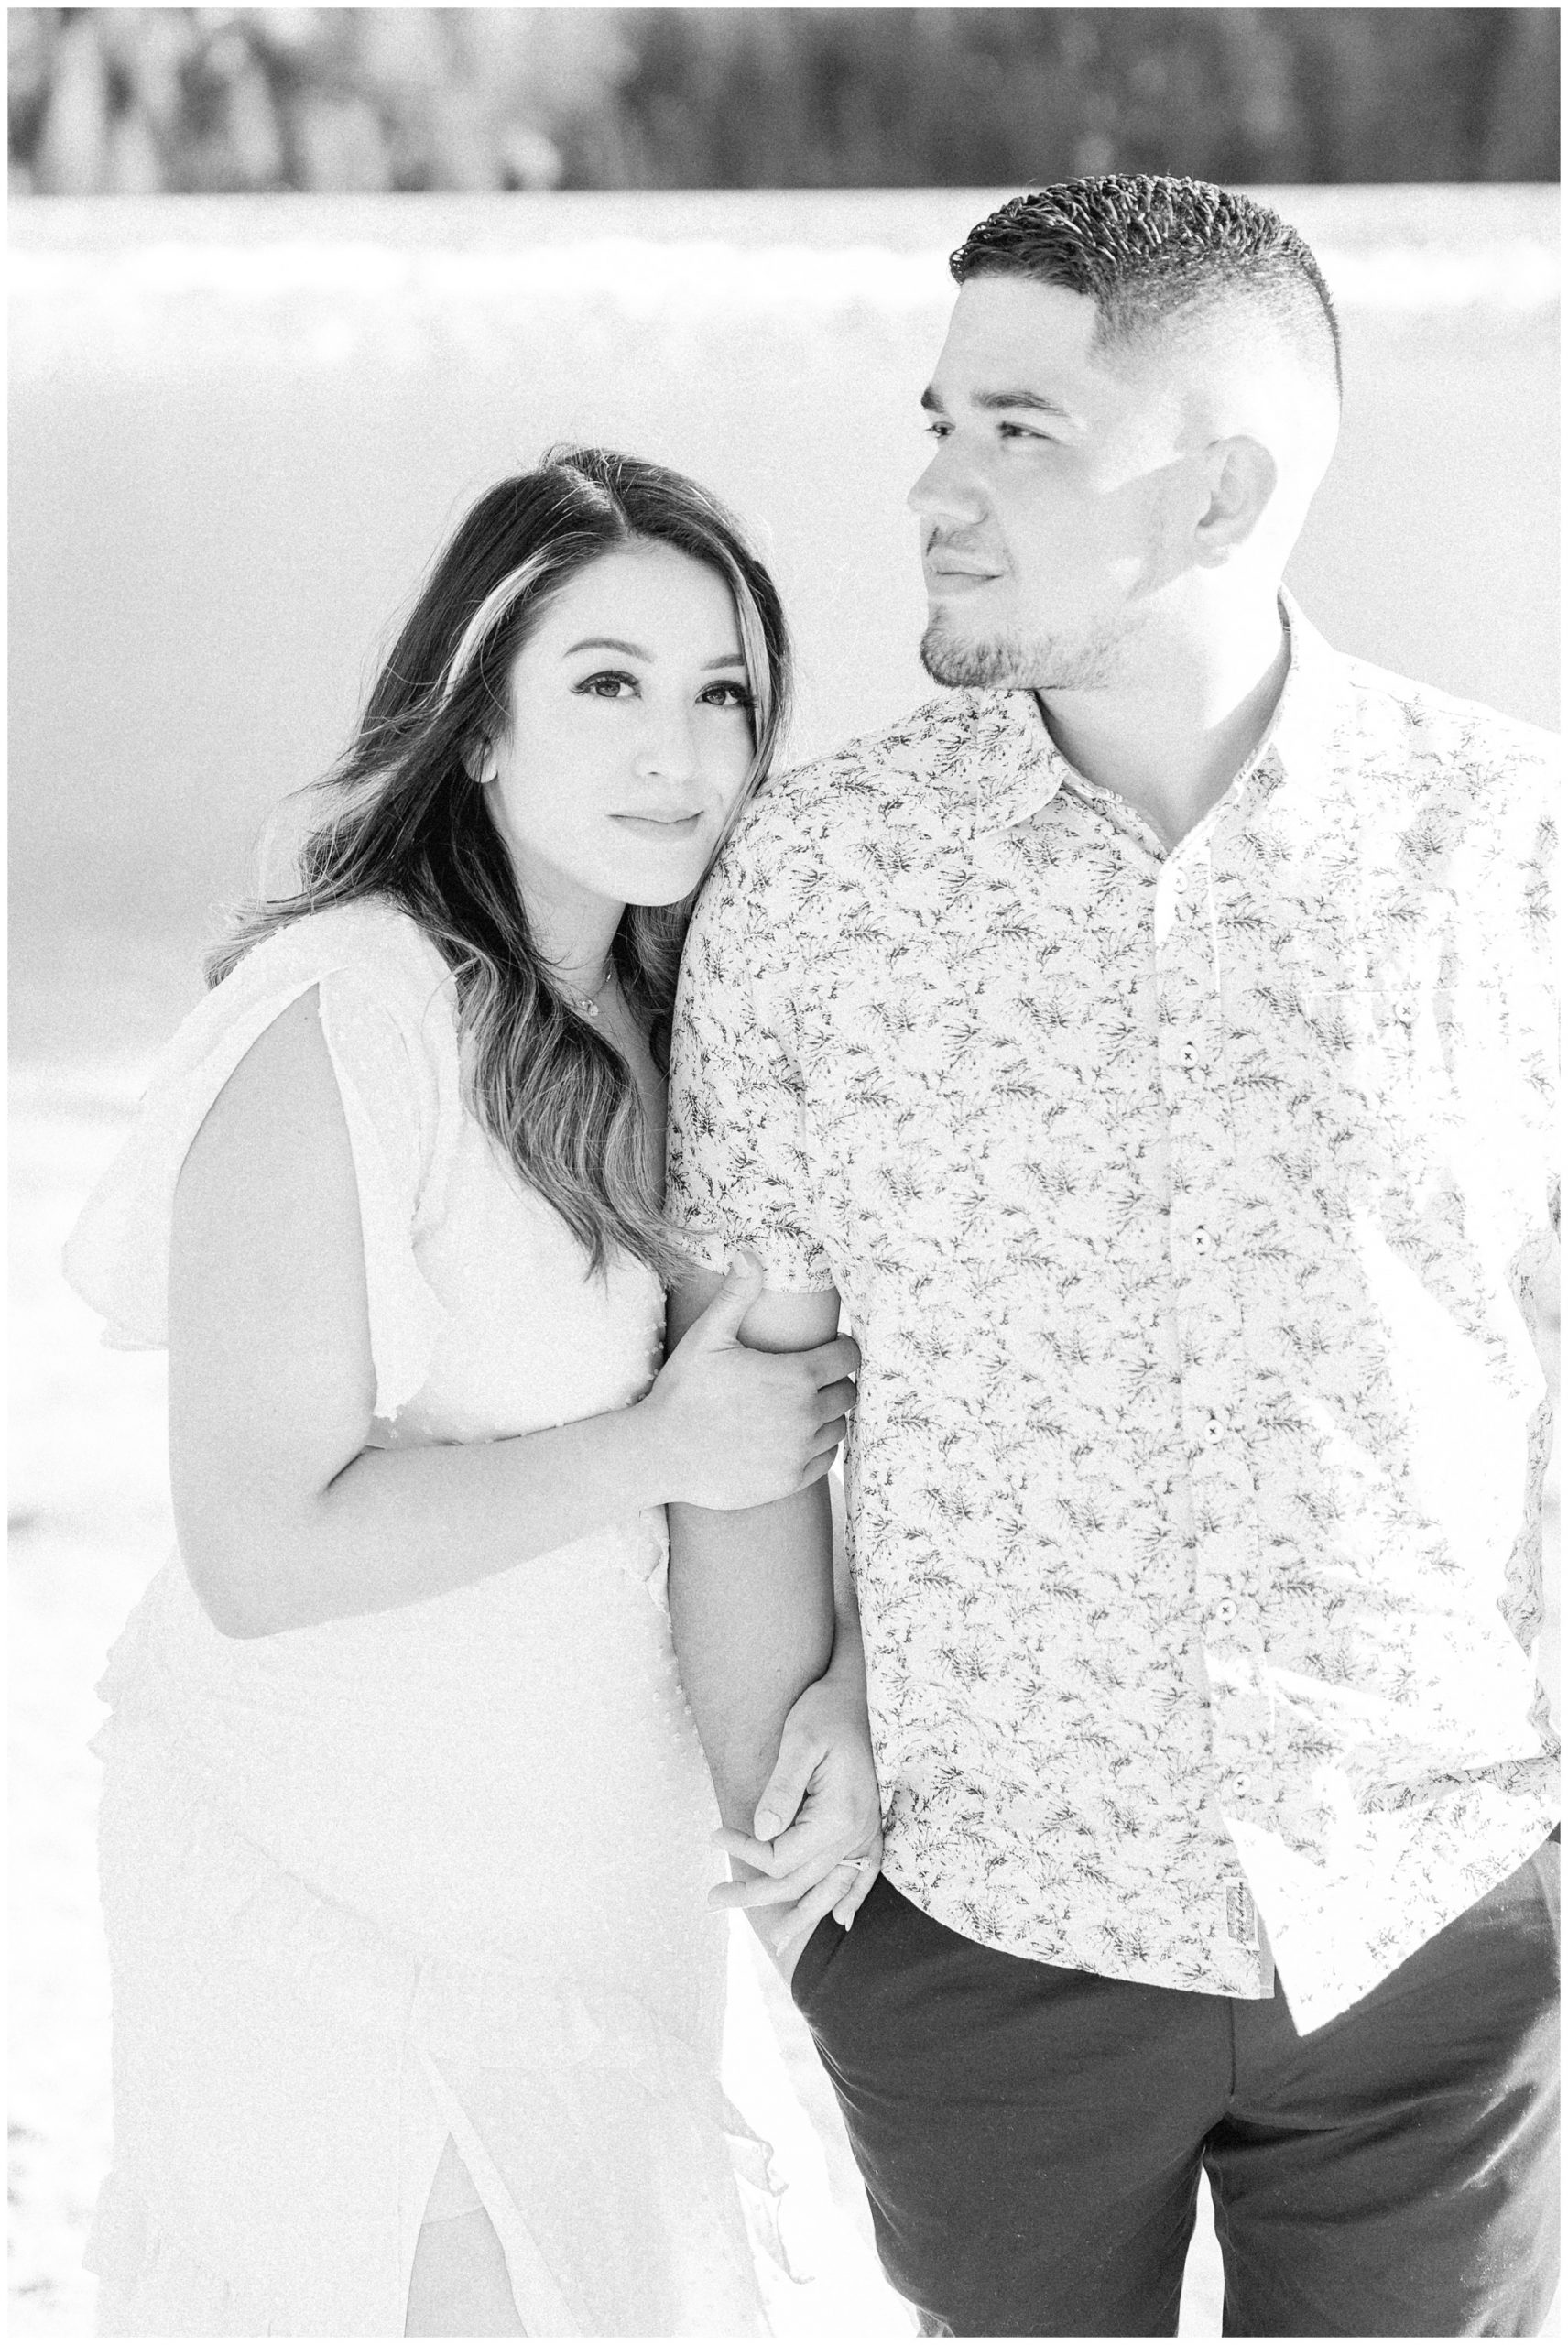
<point>996,665</point>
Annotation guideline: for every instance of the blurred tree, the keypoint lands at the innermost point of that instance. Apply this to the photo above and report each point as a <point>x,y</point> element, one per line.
<point>120,101</point>
<point>106,101</point>
<point>822,97</point>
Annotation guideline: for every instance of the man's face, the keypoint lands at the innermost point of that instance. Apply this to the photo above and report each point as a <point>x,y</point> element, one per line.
<point>1053,498</point>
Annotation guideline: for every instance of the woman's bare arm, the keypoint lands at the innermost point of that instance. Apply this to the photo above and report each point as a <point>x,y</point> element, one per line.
<point>285,1518</point>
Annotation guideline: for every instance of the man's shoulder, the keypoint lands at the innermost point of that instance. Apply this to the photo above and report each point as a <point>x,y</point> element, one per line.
<point>1440,730</point>
<point>900,772</point>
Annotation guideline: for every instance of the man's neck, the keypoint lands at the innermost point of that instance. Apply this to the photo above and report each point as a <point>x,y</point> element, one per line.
<point>1171,737</point>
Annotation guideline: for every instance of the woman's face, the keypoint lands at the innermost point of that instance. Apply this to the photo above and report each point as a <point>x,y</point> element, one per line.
<point>630,736</point>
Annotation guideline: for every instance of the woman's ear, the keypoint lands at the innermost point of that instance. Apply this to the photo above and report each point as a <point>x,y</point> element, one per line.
<point>479,759</point>
<point>1242,480</point>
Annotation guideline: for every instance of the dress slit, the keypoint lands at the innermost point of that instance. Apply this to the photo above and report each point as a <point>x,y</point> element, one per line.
<point>543,2306</point>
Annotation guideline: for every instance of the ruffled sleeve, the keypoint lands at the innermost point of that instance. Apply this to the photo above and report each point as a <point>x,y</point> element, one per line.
<point>385,1012</point>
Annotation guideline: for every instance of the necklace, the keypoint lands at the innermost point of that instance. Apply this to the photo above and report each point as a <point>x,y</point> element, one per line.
<point>587,1004</point>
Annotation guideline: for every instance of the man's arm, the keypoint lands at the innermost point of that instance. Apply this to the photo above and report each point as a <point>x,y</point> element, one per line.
<point>751,1593</point>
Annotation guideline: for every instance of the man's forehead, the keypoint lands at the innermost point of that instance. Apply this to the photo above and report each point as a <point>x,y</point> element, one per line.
<point>1012,334</point>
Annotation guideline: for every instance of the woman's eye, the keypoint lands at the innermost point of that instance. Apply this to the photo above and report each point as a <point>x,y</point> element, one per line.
<point>727,696</point>
<point>610,683</point>
<point>936,430</point>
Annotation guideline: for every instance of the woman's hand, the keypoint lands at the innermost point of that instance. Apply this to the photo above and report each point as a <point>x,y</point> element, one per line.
<point>816,1845</point>
<point>737,1427</point>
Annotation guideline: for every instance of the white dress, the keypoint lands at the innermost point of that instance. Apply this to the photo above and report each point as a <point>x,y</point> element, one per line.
<point>433,1871</point>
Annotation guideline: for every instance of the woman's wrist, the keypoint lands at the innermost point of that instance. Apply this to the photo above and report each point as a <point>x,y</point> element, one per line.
<point>650,1462</point>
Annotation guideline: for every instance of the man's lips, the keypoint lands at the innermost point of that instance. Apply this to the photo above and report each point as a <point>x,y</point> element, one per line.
<point>950,565</point>
<point>945,578</point>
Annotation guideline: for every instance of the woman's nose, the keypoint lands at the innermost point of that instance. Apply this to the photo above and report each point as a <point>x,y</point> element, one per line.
<point>669,749</point>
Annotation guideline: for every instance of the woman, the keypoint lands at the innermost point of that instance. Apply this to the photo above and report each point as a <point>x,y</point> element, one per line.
<point>405,1834</point>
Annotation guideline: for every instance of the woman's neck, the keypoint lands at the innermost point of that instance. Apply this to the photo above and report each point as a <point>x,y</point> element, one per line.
<point>574,933</point>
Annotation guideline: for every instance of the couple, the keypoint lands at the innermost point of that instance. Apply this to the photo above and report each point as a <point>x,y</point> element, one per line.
<point>1146,1049</point>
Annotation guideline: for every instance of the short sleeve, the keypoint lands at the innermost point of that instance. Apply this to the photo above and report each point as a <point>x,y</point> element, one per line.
<point>738,1172</point>
<point>388,1032</point>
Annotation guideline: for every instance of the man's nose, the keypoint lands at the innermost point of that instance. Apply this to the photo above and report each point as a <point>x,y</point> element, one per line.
<point>947,490</point>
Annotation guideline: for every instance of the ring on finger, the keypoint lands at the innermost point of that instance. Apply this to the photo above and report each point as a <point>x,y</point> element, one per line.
<point>856,1864</point>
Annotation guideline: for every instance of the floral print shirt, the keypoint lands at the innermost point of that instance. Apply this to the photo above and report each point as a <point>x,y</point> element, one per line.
<point>1194,1213</point>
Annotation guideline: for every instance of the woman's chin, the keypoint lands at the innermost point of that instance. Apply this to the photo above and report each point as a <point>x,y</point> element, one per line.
<point>665,877</point>
<point>664,892</point>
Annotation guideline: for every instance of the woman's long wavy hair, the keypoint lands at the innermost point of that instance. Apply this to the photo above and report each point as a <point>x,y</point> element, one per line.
<point>406,822</point>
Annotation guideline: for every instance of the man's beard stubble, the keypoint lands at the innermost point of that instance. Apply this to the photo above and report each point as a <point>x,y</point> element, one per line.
<point>1012,662</point>
<point>949,659</point>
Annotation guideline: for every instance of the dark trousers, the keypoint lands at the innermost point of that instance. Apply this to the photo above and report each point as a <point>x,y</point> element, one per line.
<point>1030,2138</point>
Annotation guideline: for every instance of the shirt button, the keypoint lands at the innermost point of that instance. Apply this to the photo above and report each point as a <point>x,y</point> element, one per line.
<point>1201,1242</point>
<point>1213,1427</point>
<point>1178,882</point>
<point>1225,1608</point>
<point>1241,1785</point>
<point>1188,1052</point>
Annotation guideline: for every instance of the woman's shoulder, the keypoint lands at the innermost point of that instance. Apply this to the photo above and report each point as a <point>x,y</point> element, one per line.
<point>372,967</point>
<point>371,939</point>
<point>386,1026</point>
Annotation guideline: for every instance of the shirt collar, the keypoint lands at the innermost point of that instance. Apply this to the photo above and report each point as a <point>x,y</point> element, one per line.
<point>1309,707</point>
<point>1005,766</point>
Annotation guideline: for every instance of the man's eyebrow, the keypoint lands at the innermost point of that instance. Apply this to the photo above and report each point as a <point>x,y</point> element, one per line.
<point>992,400</point>
<point>1036,401</point>
<point>639,651</point>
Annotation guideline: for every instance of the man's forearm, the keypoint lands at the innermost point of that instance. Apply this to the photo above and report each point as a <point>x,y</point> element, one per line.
<point>751,1604</point>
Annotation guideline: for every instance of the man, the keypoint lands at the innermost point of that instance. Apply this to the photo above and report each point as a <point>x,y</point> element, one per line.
<point>1149,1046</point>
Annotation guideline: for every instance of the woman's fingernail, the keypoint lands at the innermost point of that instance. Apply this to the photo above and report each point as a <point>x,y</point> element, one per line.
<point>768,1825</point>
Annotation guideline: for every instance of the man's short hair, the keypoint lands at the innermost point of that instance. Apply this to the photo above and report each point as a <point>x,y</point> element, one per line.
<point>1146,249</point>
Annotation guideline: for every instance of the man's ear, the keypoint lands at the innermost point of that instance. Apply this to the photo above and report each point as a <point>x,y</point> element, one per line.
<point>1243,477</point>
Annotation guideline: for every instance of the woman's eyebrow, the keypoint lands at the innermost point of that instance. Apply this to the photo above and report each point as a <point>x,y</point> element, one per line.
<point>639,651</point>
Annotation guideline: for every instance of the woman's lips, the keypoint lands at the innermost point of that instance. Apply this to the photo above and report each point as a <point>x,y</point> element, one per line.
<point>660,827</point>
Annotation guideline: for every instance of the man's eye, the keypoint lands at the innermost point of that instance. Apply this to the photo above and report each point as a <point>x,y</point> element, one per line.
<point>937,429</point>
<point>610,683</point>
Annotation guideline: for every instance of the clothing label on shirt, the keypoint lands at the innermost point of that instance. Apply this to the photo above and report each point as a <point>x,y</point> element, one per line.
<point>1241,1914</point>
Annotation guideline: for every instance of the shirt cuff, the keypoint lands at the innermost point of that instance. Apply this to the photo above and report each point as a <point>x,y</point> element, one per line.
<point>789,1264</point>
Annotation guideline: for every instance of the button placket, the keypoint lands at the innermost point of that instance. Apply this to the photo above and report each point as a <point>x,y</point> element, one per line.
<point>1208,1311</point>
